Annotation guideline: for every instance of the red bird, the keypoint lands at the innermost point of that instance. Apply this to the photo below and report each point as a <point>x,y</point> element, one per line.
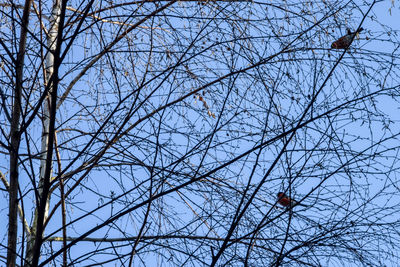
<point>286,201</point>
<point>345,41</point>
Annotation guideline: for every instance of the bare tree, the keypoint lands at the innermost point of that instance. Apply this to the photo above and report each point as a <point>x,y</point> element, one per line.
<point>158,133</point>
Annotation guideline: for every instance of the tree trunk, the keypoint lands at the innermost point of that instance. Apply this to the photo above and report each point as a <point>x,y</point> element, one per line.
<point>51,42</point>
<point>15,142</point>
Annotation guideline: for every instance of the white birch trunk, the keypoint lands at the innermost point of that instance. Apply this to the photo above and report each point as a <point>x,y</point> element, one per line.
<point>49,66</point>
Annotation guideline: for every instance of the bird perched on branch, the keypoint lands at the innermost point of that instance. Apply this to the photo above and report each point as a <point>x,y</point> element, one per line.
<point>286,201</point>
<point>345,41</point>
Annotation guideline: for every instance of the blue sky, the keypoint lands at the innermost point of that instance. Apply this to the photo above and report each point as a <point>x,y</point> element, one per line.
<point>252,92</point>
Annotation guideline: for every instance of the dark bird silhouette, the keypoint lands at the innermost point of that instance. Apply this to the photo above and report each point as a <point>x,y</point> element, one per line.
<point>345,41</point>
<point>286,201</point>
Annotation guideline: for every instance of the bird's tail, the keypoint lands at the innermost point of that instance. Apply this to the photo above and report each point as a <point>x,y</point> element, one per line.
<point>358,31</point>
